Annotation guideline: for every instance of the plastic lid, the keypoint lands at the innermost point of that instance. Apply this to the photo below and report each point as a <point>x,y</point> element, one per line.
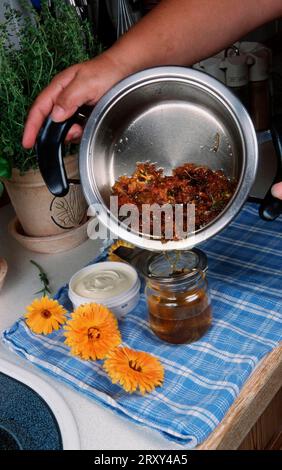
<point>109,298</point>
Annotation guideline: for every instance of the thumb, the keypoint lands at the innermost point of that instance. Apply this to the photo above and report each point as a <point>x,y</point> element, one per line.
<point>276,190</point>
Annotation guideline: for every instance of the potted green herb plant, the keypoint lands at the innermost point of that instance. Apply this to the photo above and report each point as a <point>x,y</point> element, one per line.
<point>33,49</point>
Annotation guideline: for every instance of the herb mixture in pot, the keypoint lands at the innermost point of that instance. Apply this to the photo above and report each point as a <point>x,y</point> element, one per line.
<point>208,189</point>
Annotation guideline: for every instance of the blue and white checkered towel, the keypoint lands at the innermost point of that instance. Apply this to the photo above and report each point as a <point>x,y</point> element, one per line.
<point>202,379</point>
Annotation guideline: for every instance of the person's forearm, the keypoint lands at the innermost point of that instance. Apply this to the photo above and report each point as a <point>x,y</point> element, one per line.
<point>182,32</point>
<point>176,32</point>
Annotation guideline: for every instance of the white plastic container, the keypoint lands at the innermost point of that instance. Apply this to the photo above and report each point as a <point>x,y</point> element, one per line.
<point>110,283</point>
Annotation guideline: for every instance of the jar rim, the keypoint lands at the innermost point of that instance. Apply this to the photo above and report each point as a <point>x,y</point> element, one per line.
<point>197,269</point>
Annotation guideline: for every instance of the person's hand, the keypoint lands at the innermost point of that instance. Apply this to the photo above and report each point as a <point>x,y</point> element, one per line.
<point>79,84</point>
<point>276,190</point>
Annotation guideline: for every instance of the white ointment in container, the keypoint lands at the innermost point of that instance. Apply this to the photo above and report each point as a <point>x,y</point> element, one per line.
<point>110,283</point>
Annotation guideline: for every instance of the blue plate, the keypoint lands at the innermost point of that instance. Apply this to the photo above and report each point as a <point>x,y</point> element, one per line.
<point>26,421</point>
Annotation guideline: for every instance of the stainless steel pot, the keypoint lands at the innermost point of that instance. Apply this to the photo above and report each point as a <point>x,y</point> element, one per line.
<point>168,115</point>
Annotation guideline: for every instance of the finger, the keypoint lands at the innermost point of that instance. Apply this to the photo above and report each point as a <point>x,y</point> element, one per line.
<point>276,190</point>
<point>74,133</point>
<point>80,91</point>
<point>43,106</point>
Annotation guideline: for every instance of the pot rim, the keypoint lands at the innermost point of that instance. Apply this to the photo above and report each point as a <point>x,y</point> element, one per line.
<point>33,177</point>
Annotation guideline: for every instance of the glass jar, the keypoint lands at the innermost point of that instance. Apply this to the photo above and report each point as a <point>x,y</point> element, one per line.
<point>177,296</point>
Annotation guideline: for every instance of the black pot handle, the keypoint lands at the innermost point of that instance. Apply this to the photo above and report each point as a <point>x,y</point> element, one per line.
<point>271,207</point>
<point>49,150</point>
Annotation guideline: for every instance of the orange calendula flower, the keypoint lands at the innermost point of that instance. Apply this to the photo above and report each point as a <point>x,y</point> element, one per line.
<point>111,255</point>
<point>45,315</point>
<point>92,332</point>
<point>134,370</point>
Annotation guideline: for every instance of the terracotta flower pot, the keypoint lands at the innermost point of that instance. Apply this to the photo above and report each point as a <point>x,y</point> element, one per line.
<point>39,212</point>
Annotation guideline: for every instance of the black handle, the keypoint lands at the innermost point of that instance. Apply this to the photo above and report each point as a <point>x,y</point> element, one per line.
<point>49,151</point>
<point>271,207</point>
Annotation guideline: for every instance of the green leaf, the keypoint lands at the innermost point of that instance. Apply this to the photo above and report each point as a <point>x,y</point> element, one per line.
<point>5,168</point>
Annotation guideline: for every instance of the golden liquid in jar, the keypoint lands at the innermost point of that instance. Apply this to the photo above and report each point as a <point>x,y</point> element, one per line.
<point>180,317</point>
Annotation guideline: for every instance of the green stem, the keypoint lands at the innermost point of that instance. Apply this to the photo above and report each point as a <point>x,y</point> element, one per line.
<point>43,278</point>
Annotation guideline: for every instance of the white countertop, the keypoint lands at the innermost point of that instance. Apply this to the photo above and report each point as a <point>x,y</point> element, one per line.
<point>98,428</point>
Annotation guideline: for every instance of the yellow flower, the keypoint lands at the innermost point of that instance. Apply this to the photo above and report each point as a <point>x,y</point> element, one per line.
<point>111,255</point>
<point>134,370</point>
<point>92,332</point>
<point>45,315</point>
